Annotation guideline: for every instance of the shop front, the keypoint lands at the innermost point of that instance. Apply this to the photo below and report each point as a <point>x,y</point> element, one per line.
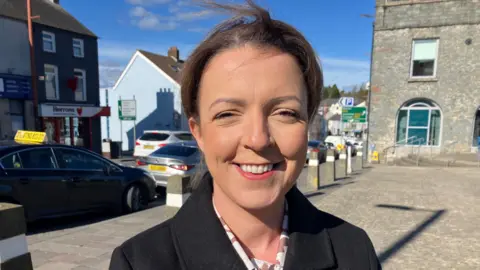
<point>71,124</point>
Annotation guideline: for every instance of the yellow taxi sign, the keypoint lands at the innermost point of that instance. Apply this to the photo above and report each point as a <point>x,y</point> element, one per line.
<point>30,137</point>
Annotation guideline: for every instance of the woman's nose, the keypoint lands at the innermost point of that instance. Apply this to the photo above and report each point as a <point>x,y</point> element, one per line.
<point>257,134</point>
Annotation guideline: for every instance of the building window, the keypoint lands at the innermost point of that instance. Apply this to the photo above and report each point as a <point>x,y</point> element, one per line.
<point>78,48</point>
<point>81,91</point>
<point>419,123</point>
<point>17,115</point>
<point>51,82</point>
<point>424,58</point>
<point>48,42</point>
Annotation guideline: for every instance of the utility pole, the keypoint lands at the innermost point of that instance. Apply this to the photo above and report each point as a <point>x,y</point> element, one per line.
<point>33,69</point>
<point>370,86</point>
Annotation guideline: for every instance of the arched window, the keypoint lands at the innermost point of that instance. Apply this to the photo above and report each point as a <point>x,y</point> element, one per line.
<point>419,123</point>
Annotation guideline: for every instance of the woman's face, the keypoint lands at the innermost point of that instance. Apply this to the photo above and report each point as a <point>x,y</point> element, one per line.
<point>252,124</point>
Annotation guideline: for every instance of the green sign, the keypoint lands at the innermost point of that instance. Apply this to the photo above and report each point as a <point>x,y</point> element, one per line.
<point>354,114</point>
<point>127,109</point>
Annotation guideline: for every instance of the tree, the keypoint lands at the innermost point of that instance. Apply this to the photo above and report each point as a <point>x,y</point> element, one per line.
<point>326,92</point>
<point>335,92</point>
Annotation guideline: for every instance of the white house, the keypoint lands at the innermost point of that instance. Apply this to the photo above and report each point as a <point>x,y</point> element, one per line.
<point>154,82</point>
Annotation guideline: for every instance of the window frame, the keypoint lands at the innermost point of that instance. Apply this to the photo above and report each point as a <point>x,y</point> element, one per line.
<point>84,77</point>
<point>57,167</point>
<point>411,106</point>
<point>57,86</point>
<point>51,39</point>
<point>81,46</point>
<point>435,64</point>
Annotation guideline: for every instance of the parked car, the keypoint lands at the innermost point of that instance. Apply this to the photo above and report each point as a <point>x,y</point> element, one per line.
<point>173,159</point>
<point>336,140</point>
<point>319,147</point>
<point>57,180</point>
<point>152,140</point>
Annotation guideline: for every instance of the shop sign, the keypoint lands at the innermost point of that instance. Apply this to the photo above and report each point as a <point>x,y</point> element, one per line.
<point>30,137</point>
<point>72,111</point>
<point>15,86</point>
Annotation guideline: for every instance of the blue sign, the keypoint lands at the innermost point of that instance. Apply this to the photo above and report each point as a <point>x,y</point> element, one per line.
<point>15,86</point>
<point>347,101</point>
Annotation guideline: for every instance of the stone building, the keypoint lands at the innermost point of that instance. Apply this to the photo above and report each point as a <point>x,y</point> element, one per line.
<point>426,75</point>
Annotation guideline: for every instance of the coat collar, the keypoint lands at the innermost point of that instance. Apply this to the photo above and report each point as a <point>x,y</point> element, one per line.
<point>201,241</point>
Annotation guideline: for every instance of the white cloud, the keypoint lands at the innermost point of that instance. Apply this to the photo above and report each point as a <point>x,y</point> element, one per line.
<point>193,15</point>
<point>147,2</point>
<point>144,19</point>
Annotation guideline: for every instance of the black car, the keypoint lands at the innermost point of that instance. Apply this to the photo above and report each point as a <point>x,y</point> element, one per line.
<point>57,180</point>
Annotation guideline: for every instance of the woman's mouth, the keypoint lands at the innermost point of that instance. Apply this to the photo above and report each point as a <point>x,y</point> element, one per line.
<point>255,171</point>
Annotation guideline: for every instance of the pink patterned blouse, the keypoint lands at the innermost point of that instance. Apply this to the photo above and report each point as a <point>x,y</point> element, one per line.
<point>253,263</point>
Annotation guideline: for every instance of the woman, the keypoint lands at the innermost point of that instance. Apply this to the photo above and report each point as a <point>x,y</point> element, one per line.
<point>250,90</point>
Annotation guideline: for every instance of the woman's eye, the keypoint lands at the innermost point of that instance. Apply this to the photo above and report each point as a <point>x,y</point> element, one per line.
<point>290,114</point>
<point>224,115</point>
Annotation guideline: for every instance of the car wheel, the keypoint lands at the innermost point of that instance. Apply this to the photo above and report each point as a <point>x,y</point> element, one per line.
<point>134,199</point>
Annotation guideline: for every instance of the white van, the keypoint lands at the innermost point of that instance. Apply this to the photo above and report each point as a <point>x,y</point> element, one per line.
<point>336,140</point>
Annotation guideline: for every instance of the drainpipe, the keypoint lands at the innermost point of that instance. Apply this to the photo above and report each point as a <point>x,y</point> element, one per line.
<point>33,69</point>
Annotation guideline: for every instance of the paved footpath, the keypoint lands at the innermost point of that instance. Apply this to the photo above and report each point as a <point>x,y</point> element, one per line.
<point>418,218</point>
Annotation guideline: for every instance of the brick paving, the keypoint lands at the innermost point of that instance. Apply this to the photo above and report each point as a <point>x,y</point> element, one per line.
<point>418,218</point>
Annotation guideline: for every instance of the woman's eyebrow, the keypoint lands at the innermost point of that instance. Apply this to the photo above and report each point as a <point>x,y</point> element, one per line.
<point>235,101</point>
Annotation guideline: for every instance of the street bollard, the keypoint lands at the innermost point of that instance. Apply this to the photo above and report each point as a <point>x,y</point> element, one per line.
<point>349,160</point>
<point>313,171</point>
<point>359,159</point>
<point>327,169</point>
<point>341,166</point>
<point>178,191</point>
<point>14,253</point>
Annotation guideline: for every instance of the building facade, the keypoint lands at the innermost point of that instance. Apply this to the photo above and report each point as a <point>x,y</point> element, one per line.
<point>16,107</point>
<point>66,74</point>
<point>426,74</point>
<point>159,105</point>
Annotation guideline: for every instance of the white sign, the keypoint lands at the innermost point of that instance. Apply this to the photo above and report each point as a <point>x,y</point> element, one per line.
<point>127,109</point>
<point>347,101</point>
<point>1,85</point>
<point>72,111</point>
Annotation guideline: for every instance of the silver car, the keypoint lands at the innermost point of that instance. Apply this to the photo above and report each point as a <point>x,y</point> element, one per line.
<point>172,159</point>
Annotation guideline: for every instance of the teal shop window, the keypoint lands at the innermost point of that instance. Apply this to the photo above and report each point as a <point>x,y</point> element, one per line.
<point>419,123</point>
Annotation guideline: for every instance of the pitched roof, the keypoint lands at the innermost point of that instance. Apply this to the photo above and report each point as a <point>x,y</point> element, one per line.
<point>171,67</point>
<point>335,117</point>
<point>51,14</point>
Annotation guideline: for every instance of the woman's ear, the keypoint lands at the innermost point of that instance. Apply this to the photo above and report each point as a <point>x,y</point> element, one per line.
<point>194,126</point>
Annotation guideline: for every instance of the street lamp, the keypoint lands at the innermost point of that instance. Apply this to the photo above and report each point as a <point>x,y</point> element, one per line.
<point>370,83</point>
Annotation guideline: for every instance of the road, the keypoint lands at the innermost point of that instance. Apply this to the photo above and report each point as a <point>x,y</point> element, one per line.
<point>418,218</point>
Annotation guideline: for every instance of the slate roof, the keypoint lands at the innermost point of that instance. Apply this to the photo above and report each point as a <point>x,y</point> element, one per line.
<point>171,67</point>
<point>51,14</point>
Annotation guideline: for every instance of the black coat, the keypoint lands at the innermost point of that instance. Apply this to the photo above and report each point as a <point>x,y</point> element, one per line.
<point>195,239</point>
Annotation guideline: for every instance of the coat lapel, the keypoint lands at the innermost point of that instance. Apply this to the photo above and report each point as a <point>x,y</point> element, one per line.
<point>199,237</point>
<point>309,243</point>
<point>201,241</point>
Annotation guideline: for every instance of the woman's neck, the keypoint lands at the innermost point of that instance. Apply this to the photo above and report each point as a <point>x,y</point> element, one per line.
<point>258,231</point>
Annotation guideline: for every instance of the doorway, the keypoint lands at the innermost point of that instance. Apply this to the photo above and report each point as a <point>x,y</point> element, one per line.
<point>476,128</point>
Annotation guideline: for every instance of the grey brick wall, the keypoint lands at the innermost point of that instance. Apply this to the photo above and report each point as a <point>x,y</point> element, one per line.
<point>456,88</point>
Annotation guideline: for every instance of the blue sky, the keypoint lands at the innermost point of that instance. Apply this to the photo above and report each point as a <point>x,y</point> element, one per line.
<point>341,37</point>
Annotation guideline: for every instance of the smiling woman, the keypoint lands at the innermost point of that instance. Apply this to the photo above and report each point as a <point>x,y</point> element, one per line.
<point>250,90</point>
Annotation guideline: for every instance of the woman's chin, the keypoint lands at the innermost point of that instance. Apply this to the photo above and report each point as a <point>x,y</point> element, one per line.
<point>257,200</point>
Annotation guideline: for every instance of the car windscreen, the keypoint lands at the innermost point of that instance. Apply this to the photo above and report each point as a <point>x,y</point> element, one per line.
<point>154,137</point>
<point>184,136</point>
<point>175,150</point>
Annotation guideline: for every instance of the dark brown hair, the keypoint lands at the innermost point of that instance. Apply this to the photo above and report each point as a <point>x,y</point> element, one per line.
<point>251,24</point>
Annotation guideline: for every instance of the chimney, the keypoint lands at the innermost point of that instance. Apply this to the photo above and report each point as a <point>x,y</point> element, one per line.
<point>174,53</point>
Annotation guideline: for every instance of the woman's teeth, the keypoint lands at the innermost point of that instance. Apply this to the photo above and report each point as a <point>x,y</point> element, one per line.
<point>257,169</point>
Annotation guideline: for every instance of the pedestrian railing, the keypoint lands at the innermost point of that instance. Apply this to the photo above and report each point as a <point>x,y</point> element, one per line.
<point>393,148</point>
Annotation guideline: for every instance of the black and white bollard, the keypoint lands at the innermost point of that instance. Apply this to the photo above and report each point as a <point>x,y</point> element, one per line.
<point>327,169</point>
<point>349,160</point>
<point>359,159</point>
<point>313,171</point>
<point>341,166</point>
<point>178,191</point>
<point>14,253</point>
